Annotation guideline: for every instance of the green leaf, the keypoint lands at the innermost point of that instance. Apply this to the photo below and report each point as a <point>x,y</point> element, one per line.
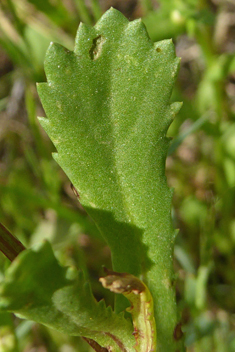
<point>108,111</point>
<point>37,288</point>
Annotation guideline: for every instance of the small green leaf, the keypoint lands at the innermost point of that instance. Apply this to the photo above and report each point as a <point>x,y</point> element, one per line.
<point>37,288</point>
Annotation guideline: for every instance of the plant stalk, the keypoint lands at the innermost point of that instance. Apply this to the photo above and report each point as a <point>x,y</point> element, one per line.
<point>10,246</point>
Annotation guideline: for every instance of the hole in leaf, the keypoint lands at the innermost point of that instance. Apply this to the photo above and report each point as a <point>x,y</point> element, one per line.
<point>96,47</point>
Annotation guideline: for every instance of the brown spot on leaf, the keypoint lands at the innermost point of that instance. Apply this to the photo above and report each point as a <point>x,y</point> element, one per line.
<point>121,282</point>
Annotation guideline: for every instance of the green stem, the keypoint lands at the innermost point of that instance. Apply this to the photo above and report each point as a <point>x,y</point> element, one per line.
<point>83,11</point>
<point>146,6</point>
<point>96,9</point>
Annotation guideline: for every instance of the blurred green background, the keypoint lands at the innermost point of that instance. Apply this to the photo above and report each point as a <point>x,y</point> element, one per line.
<point>36,198</point>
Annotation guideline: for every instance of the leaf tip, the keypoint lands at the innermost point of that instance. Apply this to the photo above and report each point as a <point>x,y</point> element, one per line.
<point>56,157</point>
<point>71,273</point>
<point>55,54</point>
<point>44,122</point>
<point>137,27</point>
<point>175,107</point>
<point>111,18</point>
